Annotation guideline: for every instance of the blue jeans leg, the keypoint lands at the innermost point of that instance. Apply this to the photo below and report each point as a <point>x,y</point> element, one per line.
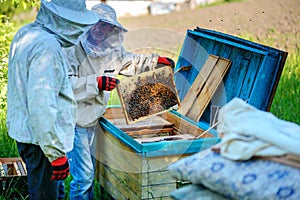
<point>39,172</point>
<point>61,190</point>
<point>81,164</point>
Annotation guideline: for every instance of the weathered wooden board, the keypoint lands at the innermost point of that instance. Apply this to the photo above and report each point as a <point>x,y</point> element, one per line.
<point>204,87</point>
<point>150,133</point>
<point>151,122</point>
<point>2,171</point>
<point>116,194</point>
<point>209,88</point>
<point>198,84</point>
<point>166,138</point>
<point>147,94</point>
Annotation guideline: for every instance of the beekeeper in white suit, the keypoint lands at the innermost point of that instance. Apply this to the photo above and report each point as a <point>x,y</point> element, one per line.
<point>40,112</point>
<point>94,66</point>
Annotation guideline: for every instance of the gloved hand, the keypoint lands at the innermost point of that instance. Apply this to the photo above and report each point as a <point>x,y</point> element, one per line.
<point>165,61</point>
<point>107,83</point>
<point>60,168</point>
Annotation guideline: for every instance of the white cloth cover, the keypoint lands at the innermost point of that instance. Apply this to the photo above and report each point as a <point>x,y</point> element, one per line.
<point>249,132</point>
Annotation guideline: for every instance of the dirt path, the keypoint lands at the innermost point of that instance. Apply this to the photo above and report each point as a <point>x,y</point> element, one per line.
<point>277,21</point>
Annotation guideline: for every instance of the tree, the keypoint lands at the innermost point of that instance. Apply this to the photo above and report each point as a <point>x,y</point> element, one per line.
<point>8,9</point>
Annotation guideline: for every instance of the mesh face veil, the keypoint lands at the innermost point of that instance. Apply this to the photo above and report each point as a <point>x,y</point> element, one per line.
<point>106,36</point>
<point>102,38</point>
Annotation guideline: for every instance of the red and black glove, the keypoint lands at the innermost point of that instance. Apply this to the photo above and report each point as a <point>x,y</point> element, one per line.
<point>107,83</point>
<point>165,61</point>
<point>60,168</point>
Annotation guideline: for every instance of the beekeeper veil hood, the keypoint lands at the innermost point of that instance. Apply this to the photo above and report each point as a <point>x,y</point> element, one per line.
<point>67,19</point>
<point>106,34</point>
<point>107,14</point>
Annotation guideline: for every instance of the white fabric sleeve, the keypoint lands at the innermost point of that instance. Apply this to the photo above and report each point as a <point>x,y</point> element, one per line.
<point>86,87</point>
<point>137,63</point>
<point>45,80</point>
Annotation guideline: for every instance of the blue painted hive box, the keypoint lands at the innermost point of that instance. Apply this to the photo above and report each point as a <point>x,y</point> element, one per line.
<point>253,75</point>
<point>132,160</point>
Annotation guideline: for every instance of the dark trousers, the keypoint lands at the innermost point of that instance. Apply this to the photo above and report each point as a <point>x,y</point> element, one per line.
<point>39,172</point>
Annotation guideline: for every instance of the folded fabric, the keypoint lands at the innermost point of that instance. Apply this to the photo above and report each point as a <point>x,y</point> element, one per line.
<point>247,131</point>
<point>253,179</point>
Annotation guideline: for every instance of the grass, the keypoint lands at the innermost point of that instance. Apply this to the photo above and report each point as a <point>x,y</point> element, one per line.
<point>286,102</point>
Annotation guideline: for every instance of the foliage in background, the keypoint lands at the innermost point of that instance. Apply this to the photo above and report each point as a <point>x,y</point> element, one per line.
<point>6,34</point>
<point>7,30</point>
<point>10,7</point>
<point>8,146</point>
<point>286,103</point>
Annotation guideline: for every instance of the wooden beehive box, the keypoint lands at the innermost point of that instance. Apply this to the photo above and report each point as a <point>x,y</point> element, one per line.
<point>13,174</point>
<point>132,160</point>
<point>10,167</point>
<point>132,163</point>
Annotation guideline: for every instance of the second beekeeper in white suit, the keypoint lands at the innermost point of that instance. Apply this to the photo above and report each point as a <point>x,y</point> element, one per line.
<point>94,66</point>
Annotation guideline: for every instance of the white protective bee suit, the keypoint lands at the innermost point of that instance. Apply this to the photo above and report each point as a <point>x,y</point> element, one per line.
<point>109,58</point>
<point>87,62</point>
<point>40,100</point>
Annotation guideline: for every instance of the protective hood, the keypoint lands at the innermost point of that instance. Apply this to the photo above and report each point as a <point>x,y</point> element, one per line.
<point>72,10</point>
<point>107,14</point>
<point>108,43</point>
<point>66,31</point>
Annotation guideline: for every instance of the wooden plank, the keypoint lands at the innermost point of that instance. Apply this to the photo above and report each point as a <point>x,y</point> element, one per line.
<point>160,163</point>
<point>21,168</point>
<point>157,177</point>
<point>120,183</point>
<point>112,148</point>
<point>16,169</point>
<point>131,190</point>
<point>185,127</point>
<point>152,122</point>
<point>6,169</point>
<point>2,172</point>
<point>197,85</point>
<point>10,160</point>
<point>158,191</point>
<point>114,192</point>
<point>146,133</point>
<point>24,167</point>
<point>166,138</point>
<point>135,179</point>
<point>209,89</point>
<point>186,58</point>
<point>236,73</point>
